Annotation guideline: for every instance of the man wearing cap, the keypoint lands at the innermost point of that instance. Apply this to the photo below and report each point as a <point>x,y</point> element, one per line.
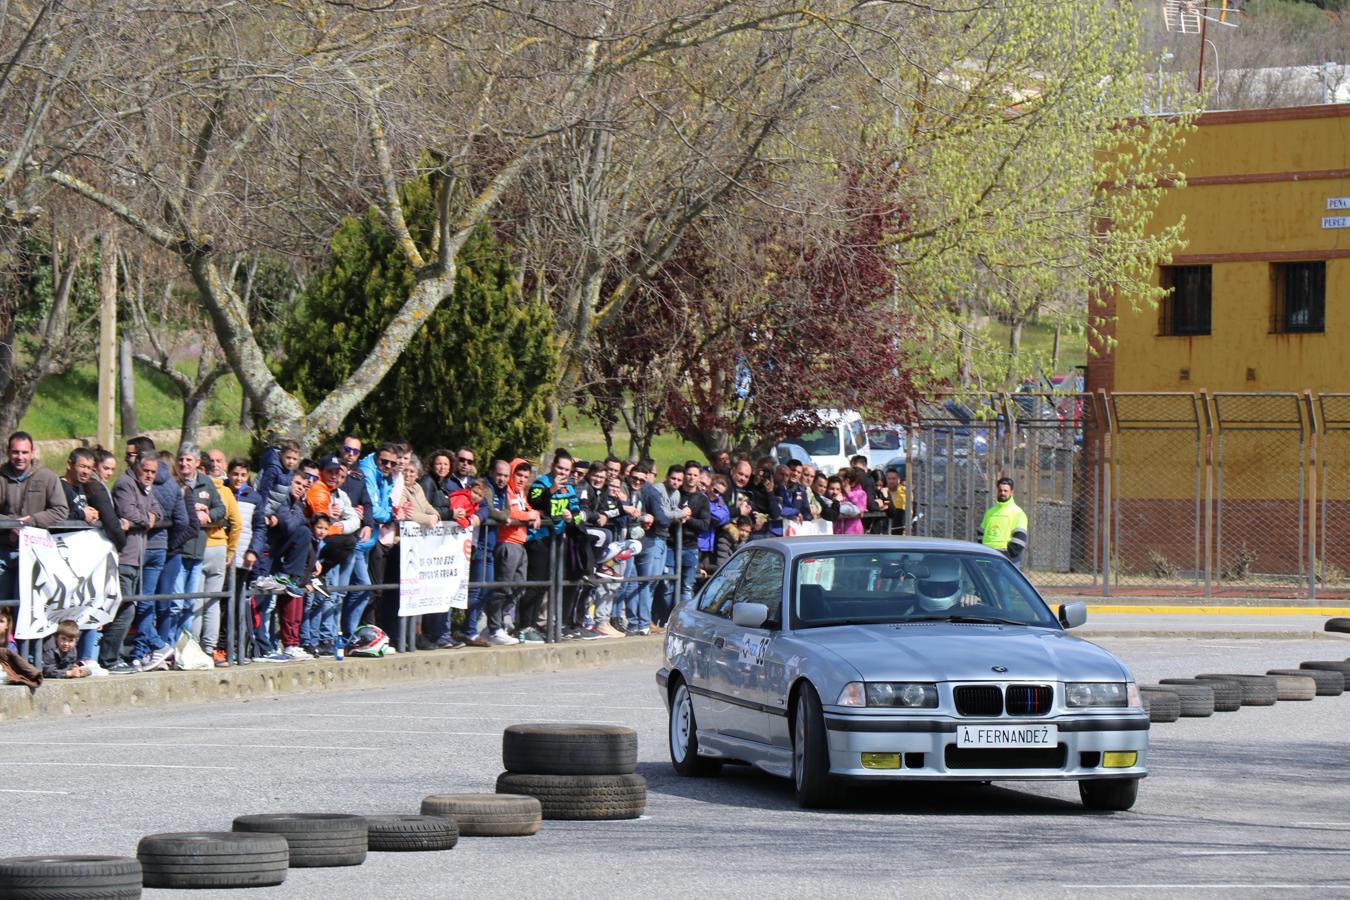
<point>319,627</point>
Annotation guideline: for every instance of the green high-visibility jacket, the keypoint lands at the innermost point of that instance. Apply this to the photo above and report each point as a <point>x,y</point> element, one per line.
<point>1004,523</point>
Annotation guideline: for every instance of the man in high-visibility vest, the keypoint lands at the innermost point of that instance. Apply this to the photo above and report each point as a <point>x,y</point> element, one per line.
<point>1004,526</point>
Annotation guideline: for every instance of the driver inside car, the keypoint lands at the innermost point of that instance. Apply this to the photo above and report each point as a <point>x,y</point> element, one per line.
<point>942,587</point>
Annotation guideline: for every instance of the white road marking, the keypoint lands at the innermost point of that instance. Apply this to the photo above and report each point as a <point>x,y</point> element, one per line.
<point>291,715</point>
<point>1283,851</point>
<point>18,791</point>
<point>267,728</point>
<point>470,703</point>
<point>164,746</point>
<point>1213,886</point>
<point>86,765</point>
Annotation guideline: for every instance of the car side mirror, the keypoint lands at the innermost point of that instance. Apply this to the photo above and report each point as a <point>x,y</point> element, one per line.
<point>750,615</point>
<point>1071,615</point>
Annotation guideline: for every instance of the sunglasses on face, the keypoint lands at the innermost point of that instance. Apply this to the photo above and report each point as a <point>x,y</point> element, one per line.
<point>384,461</point>
<point>351,451</point>
<point>310,477</point>
<point>464,460</point>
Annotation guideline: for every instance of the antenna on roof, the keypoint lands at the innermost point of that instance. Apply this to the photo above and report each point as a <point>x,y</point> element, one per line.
<point>1192,17</point>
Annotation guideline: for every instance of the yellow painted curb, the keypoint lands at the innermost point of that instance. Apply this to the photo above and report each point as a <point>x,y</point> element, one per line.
<point>1170,610</point>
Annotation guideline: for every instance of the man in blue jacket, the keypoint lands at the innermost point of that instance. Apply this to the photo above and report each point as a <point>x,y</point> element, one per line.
<point>553,495</point>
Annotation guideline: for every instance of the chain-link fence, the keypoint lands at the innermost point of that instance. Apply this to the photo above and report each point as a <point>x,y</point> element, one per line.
<point>1331,491</point>
<point>1156,471</point>
<point>1260,483</point>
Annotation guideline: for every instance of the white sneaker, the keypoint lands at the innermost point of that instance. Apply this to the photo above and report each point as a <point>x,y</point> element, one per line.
<point>501,639</point>
<point>279,656</point>
<point>95,670</point>
<point>297,653</point>
<point>160,659</point>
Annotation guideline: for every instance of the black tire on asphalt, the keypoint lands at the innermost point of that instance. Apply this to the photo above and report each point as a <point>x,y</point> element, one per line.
<point>682,735</point>
<point>1329,683</point>
<point>569,749</point>
<point>1109,794</point>
<point>580,797</point>
<point>1294,687</point>
<point>1338,624</point>
<point>811,780</point>
<point>1329,665</point>
<point>487,815</point>
<point>1257,690</point>
<point>1161,705</point>
<point>400,833</point>
<point>70,878</point>
<point>1227,694</point>
<point>315,839</point>
<point>213,859</point>
<point>1197,700</point>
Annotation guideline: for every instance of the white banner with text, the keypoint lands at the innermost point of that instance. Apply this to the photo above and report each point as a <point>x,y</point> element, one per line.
<point>433,568</point>
<point>65,576</point>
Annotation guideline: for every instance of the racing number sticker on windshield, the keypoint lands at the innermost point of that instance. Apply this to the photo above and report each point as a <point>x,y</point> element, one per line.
<point>752,650</point>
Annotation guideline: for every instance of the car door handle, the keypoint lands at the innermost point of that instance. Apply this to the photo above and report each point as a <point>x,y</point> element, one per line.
<point>719,643</point>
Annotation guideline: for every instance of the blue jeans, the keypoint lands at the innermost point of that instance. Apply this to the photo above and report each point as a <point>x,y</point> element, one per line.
<point>147,635</point>
<point>354,603</point>
<point>262,632</point>
<point>482,568</point>
<point>625,604</point>
<point>178,616</point>
<point>688,573</point>
<point>333,606</point>
<point>651,561</point>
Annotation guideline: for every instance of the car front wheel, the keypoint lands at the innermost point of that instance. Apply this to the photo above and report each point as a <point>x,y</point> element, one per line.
<point>684,737</point>
<point>811,778</point>
<point>1109,795</point>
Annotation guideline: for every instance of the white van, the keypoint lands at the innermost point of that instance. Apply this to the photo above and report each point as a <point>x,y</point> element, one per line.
<point>842,434</point>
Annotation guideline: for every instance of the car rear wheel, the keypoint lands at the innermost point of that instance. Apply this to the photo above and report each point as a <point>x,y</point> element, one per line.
<point>1109,795</point>
<point>684,737</point>
<point>815,787</point>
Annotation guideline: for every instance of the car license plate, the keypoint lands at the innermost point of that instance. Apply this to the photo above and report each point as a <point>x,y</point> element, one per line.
<point>989,736</point>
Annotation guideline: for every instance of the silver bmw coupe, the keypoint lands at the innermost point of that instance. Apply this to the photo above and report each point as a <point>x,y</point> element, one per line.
<point>850,659</point>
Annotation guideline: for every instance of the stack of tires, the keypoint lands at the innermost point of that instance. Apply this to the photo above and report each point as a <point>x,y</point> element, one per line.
<point>579,772</point>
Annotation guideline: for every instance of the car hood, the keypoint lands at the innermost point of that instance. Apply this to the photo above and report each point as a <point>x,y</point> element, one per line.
<point>949,651</point>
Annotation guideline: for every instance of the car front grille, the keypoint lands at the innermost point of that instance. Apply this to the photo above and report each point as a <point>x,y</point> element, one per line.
<point>990,700</point>
<point>1029,699</point>
<point>979,700</point>
<point>1009,758</point>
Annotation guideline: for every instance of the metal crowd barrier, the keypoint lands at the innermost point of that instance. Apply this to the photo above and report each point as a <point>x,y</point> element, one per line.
<point>238,593</point>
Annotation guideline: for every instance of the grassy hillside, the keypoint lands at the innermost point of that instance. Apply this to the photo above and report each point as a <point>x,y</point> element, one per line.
<point>65,407</point>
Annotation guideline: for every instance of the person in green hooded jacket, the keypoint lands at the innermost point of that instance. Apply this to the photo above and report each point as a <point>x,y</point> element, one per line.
<point>1004,526</point>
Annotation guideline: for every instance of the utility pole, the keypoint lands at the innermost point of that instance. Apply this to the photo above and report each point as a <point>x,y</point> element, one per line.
<point>107,342</point>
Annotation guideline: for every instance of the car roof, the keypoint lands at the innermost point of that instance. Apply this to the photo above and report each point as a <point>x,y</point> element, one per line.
<point>808,546</point>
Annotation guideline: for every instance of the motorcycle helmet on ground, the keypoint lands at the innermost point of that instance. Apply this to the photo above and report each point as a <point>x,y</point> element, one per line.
<point>940,587</point>
<point>369,640</point>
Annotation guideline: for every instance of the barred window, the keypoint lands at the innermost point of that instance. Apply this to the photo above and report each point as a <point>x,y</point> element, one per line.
<point>1186,308</point>
<point>1299,300</point>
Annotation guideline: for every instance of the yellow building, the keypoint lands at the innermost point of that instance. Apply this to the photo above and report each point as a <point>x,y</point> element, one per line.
<point>1258,312</point>
<point>1259,299</point>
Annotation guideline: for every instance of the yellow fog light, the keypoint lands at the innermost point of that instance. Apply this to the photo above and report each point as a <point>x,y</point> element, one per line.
<point>881,760</point>
<point>1119,759</point>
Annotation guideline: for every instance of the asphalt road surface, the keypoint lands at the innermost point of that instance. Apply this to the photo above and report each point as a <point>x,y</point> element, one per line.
<point>1246,804</point>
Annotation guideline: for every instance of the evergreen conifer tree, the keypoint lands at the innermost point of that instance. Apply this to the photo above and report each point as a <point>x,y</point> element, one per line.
<point>478,372</point>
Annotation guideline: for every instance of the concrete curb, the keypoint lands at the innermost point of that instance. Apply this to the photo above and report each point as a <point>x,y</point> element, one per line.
<point>88,696</point>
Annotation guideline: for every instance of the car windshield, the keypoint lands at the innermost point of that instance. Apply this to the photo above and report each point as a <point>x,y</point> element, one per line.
<point>884,439</point>
<point>821,441</point>
<point>889,587</point>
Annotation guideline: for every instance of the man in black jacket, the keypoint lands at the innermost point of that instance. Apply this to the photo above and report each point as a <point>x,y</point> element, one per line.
<point>693,504</point>
<point>88,502</point>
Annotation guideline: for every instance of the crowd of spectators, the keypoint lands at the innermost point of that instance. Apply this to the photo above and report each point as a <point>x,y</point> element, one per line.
<point>308,538</point>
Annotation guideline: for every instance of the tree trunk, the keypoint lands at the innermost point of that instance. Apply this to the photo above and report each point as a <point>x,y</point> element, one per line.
<point>1014,347</point>
<point>127,395</point>
<point>246,413</point>
<point>194,407</point>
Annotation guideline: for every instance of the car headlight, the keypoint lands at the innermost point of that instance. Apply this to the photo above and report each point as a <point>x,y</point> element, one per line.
<point>1097,693</point>
<point>853,694</point>
<point>1132,693</point>
<point>905,694</point>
